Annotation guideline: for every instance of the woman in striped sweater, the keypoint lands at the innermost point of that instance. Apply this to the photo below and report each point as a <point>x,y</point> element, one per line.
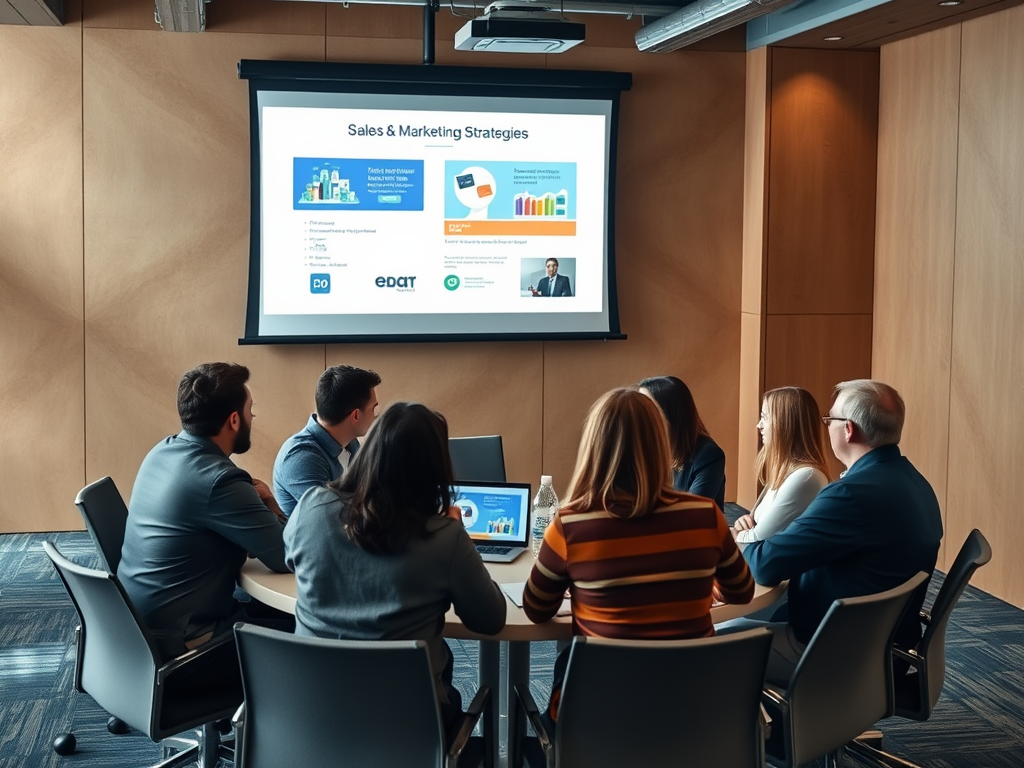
<point>640,559</point>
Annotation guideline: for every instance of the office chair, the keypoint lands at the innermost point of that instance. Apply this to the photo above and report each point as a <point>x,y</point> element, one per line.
<point>477,459</point>
<point>843,683</point>
<point>679,703</point>
<point>361,704</point>
<point>105,516</point>
<point>920,673</point>
<point>118,666</point>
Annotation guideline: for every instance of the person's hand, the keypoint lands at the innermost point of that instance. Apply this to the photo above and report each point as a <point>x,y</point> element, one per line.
<point>716,595</point>
<point>744,523</point>
<point>455,513</point>
<point>262,489</point>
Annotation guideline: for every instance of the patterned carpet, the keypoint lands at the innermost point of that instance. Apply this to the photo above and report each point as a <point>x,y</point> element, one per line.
<point>978,723</point>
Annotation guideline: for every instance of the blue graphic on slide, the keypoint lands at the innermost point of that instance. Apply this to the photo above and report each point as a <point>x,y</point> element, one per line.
<point>509,190</point>
<point>338,184</point>
<point>491,514</point>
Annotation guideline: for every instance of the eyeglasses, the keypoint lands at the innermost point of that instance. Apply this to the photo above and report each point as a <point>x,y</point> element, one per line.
<point>827,419</point>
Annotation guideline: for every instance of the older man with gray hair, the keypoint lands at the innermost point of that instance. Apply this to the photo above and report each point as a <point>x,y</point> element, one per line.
<point>869,531</point>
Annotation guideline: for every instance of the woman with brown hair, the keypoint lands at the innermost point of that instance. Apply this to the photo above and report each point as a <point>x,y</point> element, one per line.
<point>791,463</point>
<point>381,554</point>
<point>640,559</point>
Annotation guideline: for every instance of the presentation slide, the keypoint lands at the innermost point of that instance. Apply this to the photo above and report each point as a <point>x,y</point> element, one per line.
<point>493,516</point>
<point>393,215</point>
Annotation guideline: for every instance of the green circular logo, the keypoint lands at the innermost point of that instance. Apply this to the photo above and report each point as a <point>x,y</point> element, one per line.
<point>452,282</point>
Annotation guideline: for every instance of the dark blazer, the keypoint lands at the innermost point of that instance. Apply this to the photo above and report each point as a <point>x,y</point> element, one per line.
<point>704,473</point>
<point>561,286</point>
<point>867,532</point>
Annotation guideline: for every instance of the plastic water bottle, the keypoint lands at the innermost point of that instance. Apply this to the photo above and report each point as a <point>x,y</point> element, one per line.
<point>545,504</point>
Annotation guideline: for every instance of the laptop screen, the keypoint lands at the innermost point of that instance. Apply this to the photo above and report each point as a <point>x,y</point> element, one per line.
<point>495,512</point>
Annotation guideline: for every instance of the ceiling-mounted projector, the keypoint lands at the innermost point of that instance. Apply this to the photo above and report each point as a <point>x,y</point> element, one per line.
<point>519,28</point>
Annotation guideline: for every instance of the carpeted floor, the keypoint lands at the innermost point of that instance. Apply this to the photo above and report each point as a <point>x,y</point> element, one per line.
<point>979,722</point>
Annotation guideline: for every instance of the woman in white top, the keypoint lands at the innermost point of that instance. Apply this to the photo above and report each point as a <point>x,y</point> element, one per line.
<point>791,463</point>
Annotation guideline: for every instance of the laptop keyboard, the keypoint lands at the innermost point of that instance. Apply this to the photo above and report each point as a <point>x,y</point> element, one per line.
<point>490,550</point>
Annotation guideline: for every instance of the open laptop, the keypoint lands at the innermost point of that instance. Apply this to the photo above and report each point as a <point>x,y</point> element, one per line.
<point>496,516</point>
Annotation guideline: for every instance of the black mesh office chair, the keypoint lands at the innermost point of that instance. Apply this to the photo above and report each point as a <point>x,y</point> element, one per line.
<point>670,704</point>
<point>843,683</point>
<point>361,704</point>
<point>919,673</point>
<point>118,666</point>
<point>105,516</point>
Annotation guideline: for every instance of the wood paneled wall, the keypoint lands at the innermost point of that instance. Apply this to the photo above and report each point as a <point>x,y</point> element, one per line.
<point>811,142</point>
<point>953,140</point>
<point>124,250</point>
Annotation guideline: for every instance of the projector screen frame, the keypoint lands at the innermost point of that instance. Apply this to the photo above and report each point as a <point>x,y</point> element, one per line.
<point>427,80</point>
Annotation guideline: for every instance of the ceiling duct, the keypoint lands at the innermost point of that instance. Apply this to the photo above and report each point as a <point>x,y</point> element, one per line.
<point>699,20</point>
<point>519,28</point>
<point>181,15</point>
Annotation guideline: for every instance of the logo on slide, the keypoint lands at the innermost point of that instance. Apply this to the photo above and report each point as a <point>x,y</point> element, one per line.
<point>319,283</point>
<point>452,282</point>
<point>407,282</point>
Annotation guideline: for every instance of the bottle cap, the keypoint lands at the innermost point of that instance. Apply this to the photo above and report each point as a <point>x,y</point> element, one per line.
<point>545,479</point>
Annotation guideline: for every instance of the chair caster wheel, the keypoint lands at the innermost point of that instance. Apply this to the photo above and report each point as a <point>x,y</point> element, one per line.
<point>65,744</point>
<point>117,726</point>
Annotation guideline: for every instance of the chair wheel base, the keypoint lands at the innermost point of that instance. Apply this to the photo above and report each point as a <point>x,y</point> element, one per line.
<point>117,726</point>
<point>65,744</point>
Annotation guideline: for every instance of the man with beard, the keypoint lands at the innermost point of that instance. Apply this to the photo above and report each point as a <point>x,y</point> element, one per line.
<point>194,515</point>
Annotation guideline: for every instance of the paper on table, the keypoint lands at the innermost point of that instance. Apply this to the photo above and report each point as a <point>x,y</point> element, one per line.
<point>514,590</point>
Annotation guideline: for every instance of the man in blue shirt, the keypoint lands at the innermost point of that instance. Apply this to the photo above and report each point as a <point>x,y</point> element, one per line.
<point>346,405</point>
<point>194,515</point>
<point>867,532</point>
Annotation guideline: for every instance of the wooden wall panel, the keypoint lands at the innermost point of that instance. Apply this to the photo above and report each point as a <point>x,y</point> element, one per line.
<point>678,248</point>
<point>822,181</point>
<point>751,375</point>
<point>481,388</point>
<point>757,116</point>
<point>41,450</point>
<point>985,484</point>
<point>167,241</point>
<point>914,240</point>
<point>816,352</point>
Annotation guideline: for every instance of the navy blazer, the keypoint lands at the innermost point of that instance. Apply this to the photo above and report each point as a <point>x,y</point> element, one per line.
<point>704,473</point>
<point>867,532</point>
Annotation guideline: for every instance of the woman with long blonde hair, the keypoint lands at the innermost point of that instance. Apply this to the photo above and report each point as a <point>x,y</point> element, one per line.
<point>639,558</point>
<point>791,464</point>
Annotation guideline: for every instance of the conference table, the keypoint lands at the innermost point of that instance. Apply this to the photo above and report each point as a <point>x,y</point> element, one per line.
<point>278,591</point>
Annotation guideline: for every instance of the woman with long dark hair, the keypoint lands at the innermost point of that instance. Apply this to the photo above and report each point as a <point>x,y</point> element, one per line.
<point>381,554</point>
<point>698,464</point>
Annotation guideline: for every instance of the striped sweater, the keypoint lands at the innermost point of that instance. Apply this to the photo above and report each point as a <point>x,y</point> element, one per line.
<point>645,578</point>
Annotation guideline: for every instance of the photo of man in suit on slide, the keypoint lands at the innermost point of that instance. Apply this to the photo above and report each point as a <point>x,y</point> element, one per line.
<point>554,284</point>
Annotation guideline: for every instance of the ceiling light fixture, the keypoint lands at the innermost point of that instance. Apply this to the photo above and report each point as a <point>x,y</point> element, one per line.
<point>832,38</point>
<point>699,20</point>
<point>945,3</point>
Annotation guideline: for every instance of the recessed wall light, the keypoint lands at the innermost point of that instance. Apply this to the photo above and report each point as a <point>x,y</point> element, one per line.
<point>832,38</point>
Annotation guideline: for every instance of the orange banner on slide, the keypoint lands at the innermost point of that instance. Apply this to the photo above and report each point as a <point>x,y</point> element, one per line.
<point>484,228</point>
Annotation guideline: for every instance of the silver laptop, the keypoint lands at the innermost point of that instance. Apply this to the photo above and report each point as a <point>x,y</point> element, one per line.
<point>497,518</point>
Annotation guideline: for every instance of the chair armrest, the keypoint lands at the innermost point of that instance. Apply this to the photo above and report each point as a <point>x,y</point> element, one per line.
<point>238,723</point>
<point>190,657</point>
<point>529,707</point>
<point>481,702</point>
<point>766,723</point>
